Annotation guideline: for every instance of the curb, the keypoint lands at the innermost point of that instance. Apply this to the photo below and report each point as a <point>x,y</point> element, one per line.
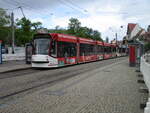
<point>12,70</point>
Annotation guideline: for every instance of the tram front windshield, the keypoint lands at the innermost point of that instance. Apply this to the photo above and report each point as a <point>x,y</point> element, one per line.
<point>42,46</point>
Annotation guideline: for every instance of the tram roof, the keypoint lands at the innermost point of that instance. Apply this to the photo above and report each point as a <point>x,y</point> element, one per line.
<point>87,41</point>
<point>107,44</point>
<point>68,38</point>
<point>99,43</point>
<point>63,37</point>
<point>114,45</point>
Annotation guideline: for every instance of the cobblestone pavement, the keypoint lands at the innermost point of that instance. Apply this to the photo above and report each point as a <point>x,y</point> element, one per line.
<point>109,89</point>
<point>12,65</point>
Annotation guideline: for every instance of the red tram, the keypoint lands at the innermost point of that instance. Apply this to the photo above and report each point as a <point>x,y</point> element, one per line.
<point>55,50</point>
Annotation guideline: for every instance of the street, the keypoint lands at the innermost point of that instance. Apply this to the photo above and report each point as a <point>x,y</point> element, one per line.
<point>104,86</point>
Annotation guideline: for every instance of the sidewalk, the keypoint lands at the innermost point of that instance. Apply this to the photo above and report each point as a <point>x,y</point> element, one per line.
<point>110,89</point>
<point>13,65</point>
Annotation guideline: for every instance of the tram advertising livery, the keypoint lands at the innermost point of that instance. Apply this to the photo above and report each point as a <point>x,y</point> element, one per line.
<point>55,50</point>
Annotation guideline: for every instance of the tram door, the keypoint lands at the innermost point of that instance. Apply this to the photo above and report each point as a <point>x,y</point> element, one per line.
<point>28,53</point>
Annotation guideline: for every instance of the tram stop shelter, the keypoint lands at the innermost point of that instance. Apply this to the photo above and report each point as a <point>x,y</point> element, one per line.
<point>136,50</point>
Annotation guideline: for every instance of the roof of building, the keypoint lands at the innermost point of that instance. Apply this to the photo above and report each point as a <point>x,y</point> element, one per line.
<point>131,26</point>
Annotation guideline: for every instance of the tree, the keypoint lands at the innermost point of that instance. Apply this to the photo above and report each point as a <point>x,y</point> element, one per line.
<point>4,18</point>
<point>147,47</point>
<point>24,32</point>
<point>36,25</point>
<point>73,26</point>
<point>5,34</point>
<point>97,35</point>
<point>24,24</point>
<point>148,28</point>
<point>58,30</point>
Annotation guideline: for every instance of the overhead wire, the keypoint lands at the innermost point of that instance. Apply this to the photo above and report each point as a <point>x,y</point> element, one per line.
<point>75,5</point>
<point>31,7</point>
<point>70,6</point>
<point>21,4</point>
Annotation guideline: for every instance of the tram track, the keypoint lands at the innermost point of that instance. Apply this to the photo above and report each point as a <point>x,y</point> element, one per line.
<point>47,80</point>
<point>54,79</point>
<point>15,73</point>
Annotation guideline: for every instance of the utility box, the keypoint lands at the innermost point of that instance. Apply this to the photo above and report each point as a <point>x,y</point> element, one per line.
<point>0,52</point>
<point>132,55</point>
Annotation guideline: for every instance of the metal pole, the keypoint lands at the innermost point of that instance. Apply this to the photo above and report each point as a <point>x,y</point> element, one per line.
<point>116,38</point>
<point>13,32</point>
<point>22,11</point>
<point>117,43</point>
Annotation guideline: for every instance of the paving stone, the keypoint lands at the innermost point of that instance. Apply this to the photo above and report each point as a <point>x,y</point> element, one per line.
<point>110,89</point>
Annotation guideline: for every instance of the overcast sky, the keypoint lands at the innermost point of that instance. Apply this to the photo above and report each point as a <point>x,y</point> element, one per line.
<point>105,16</point>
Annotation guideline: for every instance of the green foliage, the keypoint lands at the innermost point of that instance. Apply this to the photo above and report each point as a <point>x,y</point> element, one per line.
<point>5,35</point>
<point>25,29</point>
<point>24,24</point>
<point>4,18</point>
<point>147,47</point>
<point>36,25</point>
<point>4,29</point>
<point>148,28</point>
<point>75,28</point>
<point>58,30</point>
<point>23,33</point>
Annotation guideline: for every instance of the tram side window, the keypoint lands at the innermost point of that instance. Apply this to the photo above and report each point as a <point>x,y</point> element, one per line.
<point>95,49</point>
<point>53,49</point>
<point>73,49</point>
<point>82,50</point>
<point>60,49</point>
<point>99,49</point>
<point>87,49</point>
<point>105,49</point>
<point>119,50</point>
<point>114,49</point>
<point>110,49</point>
<point>66,49</point>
